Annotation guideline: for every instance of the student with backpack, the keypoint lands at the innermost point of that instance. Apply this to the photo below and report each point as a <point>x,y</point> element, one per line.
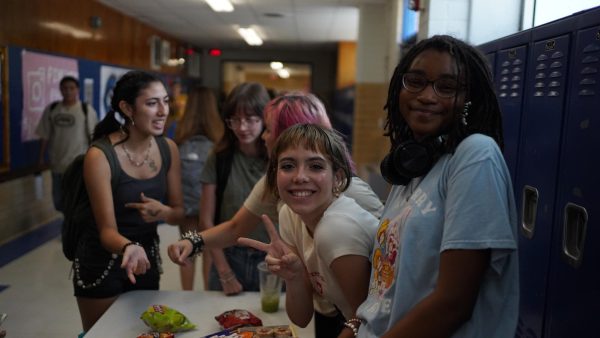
<point>198,129</point>
<point>118,249</point>
<point>65,129</point>
<point>238,162</point>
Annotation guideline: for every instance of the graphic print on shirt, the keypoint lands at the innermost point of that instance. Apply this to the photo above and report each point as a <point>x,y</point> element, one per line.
<point>63,120</point>
<point>386,252</point>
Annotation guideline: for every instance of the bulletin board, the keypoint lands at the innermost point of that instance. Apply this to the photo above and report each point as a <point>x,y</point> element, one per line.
<point>4,112</point>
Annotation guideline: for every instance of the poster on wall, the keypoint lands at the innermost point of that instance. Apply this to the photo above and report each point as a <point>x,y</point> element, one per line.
<point>108,79</point>
<point>41,77</point>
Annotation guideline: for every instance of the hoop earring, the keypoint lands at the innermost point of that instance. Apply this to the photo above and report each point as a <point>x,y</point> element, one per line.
<point>465,113</point>
<point>336,192</point>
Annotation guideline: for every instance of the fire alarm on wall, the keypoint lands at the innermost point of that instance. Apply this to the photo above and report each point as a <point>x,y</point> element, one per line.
<point>413,5</point>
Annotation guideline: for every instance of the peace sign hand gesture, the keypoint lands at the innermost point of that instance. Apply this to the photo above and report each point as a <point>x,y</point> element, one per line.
<point>280,259</point>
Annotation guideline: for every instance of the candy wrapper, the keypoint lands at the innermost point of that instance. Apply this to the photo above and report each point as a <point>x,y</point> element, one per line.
<point>162,318</point>
<point>237,318</point>
<point>156,335</point>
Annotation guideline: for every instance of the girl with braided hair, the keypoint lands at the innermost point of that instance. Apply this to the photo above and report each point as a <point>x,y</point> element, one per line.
<point>444,262</point>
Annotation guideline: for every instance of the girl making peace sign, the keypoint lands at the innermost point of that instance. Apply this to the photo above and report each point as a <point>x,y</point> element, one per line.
<point>326,237</point>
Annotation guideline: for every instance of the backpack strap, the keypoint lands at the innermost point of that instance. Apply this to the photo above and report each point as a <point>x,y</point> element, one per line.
<point>107,148</point>
<point>224,163</point>
<point>84,107</point>
<point>165,151</point>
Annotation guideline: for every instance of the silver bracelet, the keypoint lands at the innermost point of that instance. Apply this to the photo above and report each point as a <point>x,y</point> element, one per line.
<point>197,242</point>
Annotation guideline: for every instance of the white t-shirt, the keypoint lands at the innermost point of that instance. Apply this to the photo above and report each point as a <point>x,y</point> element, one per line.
<point>344,229</point>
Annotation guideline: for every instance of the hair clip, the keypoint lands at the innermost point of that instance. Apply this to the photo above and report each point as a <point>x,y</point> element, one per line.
<point>120,120</point>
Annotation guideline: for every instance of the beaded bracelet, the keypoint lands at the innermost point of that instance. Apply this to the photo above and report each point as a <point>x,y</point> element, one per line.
<point>353,325</point>
<point>197,242</point>
<point>128,244</point>
<point>228,277</point>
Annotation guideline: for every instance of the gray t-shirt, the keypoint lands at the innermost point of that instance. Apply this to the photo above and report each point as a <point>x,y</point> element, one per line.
<point>245,172</point>
<point>64,128</point>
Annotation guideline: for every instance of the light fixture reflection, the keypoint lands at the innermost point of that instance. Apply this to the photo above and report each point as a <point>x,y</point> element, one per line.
<point>67,29</point>
<point>220,5</point>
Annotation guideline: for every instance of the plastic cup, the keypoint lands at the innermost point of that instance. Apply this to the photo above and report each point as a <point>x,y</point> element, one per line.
<point>270,289</point>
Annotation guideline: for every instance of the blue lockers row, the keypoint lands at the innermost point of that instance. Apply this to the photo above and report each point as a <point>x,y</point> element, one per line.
<point>548,84</point>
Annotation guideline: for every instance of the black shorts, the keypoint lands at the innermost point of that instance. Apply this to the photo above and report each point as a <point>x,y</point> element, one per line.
<point>327,327</point>
<point>98,273</point>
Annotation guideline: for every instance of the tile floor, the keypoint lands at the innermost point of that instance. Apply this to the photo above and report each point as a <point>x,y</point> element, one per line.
<point>37,295</point>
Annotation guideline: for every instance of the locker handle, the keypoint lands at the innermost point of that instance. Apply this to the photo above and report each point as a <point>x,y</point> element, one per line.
<point>574,232</point>
<point>529,211</point>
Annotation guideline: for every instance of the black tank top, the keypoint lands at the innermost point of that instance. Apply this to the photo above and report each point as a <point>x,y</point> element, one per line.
<point>129,189</point>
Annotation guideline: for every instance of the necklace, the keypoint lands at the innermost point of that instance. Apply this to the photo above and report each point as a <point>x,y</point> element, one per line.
<point>130,158</point>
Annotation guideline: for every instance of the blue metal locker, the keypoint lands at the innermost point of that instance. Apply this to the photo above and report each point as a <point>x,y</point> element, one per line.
<point>510,80</point>
<point>537,162</point>
<point>574,292</point>
<point>507,57</point>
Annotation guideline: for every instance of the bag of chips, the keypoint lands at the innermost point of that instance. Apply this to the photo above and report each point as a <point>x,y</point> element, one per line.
<point>237,318</point>
<point>162,318</point>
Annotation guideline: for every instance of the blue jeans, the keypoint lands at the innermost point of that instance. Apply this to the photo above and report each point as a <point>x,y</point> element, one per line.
<point>243,262</point>
<point>57,191</point>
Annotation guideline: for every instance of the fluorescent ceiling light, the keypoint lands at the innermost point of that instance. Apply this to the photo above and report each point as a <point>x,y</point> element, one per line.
<point>220,5</point>
<point>283,73</point>
<point>250,36</point>
<point>275,65</point>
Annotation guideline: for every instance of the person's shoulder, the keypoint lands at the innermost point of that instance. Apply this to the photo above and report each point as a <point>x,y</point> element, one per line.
<point>195,143</point>
<point>477,140</point>
<point>478,145</point>
<point>90,108</point>
<point>95,155</point>
<point>345,207</point>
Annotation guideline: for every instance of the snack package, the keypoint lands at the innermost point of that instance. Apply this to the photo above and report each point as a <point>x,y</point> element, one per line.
<point>156,335</point>
<point>229,334</point>
<point>162,318</point>
<point>237,318</point>
<point>279,331</point>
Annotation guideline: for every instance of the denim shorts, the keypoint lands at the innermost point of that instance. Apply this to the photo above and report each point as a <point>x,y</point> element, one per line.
<point>243,262</point>
<point>98,274</point>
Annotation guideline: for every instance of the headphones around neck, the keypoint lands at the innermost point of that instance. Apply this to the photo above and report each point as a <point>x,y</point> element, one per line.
<point>410,159</point>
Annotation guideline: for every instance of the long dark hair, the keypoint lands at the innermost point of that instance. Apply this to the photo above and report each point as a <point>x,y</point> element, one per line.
<point>250,98</point>
<point>200,117</point>
<point>473,72</point>
<point>127,89</point>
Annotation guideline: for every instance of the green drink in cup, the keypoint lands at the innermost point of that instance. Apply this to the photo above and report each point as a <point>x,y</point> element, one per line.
<point>270,289</point>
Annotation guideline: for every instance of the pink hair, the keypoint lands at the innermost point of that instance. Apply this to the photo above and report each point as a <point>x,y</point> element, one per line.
<point>297,108</point>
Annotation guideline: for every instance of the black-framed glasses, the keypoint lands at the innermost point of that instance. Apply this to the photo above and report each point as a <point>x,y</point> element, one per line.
<point>445,87</point>
<point>236,122</point>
